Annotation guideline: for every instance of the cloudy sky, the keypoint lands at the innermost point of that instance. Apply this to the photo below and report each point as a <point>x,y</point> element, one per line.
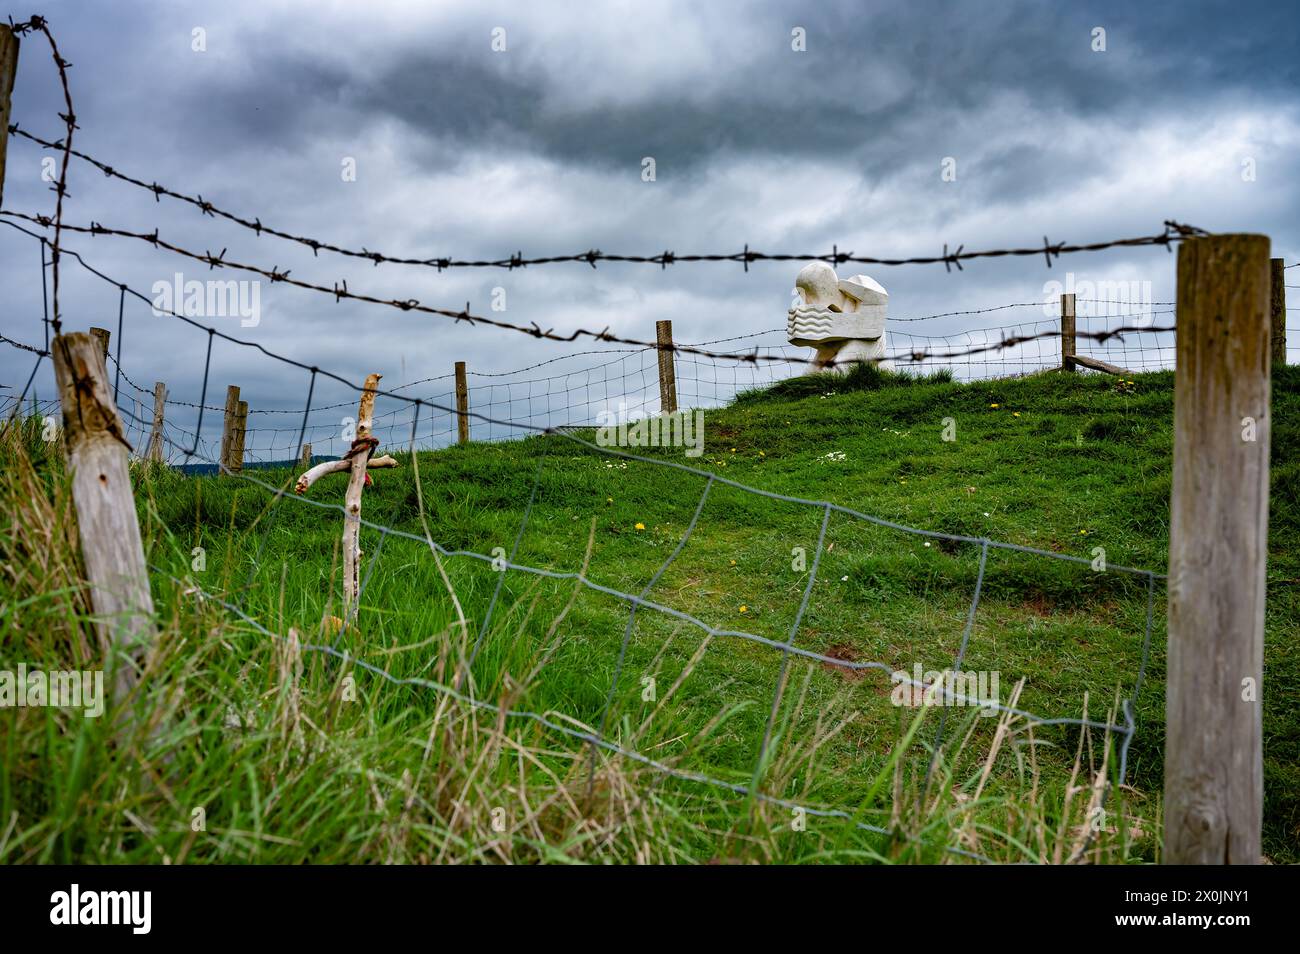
<point>461,150</point>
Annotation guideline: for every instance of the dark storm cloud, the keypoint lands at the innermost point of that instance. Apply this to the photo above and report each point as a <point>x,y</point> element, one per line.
<point>867,72</point>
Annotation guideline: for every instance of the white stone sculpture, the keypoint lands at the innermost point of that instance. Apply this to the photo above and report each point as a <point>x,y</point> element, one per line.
<point>843,318</point>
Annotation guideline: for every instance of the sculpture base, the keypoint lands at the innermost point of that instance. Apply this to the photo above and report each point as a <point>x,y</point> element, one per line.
<point>847,350</point>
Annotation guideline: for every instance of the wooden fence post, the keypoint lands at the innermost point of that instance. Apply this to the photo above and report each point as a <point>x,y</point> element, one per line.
<point>237,439</point>
<point>305,461</point>
<point>1277,310</point>
<point>102,335</point>
<point>1218,544</point>
<point>155,452</point>
<point>228,425</point>
<point>8,71</point>
<point>667,368</point>
<point>106,517</point>
<point>462,404</point>
<point>1067,332</point>
<point>360,453</point>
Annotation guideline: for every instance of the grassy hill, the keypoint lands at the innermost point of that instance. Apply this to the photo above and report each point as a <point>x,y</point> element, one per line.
<point>294,754</point>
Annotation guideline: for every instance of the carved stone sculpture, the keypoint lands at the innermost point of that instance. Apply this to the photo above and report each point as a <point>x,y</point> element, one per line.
<point>843,318</point>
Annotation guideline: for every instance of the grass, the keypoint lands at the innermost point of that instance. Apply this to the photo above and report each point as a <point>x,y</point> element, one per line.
<point>288,754</point>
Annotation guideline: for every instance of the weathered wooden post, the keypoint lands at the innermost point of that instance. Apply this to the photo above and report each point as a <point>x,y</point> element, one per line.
<point>102,335</point>
<point>356,462</point>
<point>667,367</point>
<point>106,517</point>
<point>1277,310</point>
<point>305,461</point>
<point>154,454</point>
<point>1218,544</point>
<point>228,425</point>
<point>237,439</point>
<point>8,71</point>
<point>360,453</point>
<point>1067,332</point>
<point>462,404</point>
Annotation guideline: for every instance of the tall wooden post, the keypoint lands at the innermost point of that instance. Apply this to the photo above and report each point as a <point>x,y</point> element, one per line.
<point>1218,544</point>
<point>106,518</point>
<point>462,404</point>
<point>360,453</point>
<point>1277,309</point>
<point>102,335</point>
<point>305,462</point>
<point>228,424</point>
<point>667,368</point>
<point>155,452</point>
<point>8,70</point>
<point>1067,332</point>
<point>237,439</point>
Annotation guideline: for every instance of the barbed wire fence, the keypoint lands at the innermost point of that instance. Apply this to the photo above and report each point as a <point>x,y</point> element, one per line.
<point>189,443</point>
<point>574,390</point>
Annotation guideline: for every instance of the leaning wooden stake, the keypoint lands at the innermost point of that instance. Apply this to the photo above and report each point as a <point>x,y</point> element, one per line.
<point>106,517</point>
<point>1067,332</point>
<point>237,439</point>
<point>1277,309</point>
<point>228,424</point>
<point>1218,543</point>
<point>667,368</point>
<point>360,453</point>
<point>155,452</point>
<point>1083,361</point>
<point>462,404</point>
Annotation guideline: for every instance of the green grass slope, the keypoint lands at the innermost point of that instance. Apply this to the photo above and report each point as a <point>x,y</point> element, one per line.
<point>302,756</point>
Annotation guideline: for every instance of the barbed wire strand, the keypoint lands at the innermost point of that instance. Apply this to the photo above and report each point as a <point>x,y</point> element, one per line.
<point>593,256</point>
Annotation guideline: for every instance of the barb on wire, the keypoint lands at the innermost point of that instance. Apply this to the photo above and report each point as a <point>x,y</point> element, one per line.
<point>25,347</point>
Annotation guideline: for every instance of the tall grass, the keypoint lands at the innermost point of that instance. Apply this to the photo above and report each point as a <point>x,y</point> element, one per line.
<point>239,746</point>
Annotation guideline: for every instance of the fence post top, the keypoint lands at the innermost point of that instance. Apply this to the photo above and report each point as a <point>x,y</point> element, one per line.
<point>80,374</point>
<point>1225,238</point>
